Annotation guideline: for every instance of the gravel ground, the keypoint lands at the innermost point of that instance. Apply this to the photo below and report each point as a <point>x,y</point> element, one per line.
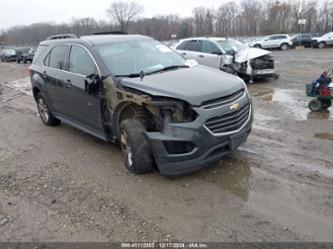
<point>60,184</point>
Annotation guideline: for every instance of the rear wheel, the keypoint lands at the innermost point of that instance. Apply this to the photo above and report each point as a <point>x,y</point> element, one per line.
<point>326,103</point>
<point>322,45</point>
<point>45,113</point>
<point>315,105</point>
<point>135,147</point>
<point>284,46</point>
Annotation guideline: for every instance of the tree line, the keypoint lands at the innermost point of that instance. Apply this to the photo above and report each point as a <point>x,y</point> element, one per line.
<point>248,18</point>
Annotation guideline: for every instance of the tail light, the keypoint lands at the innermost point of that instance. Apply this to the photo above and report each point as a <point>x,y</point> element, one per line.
<point>30,71</point>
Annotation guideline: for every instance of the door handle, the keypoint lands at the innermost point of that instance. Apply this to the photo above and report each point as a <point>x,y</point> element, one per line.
<point>201,56</point>
<point>184,53</point>
<point>68,83</point>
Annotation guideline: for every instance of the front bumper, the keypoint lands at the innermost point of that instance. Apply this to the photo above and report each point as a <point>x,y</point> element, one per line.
<point>208,148</point>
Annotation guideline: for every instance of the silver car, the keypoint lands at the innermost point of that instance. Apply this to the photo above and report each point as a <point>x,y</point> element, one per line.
<point>228,55</point>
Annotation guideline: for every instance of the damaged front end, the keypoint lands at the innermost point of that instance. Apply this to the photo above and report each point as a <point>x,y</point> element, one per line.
<point>251,63</point>
<point>263,66</point>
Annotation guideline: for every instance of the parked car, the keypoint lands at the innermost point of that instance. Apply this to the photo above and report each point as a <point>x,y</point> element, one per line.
<point>302,40</point>
<point>8,55</point>
<point>228,55</point>
<point>323,41</point>
<point>281,41</point>
<point>163,110</point>
<point>24,54</point>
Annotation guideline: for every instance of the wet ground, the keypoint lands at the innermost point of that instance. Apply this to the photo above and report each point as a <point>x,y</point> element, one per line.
<point>60,184</point>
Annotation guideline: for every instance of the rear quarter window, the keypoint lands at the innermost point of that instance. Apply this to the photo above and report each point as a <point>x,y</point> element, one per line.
<point>182,46</point>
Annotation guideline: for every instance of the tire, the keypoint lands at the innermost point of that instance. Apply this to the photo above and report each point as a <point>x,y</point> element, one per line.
<point>284,46</point>
<point>135,147</point>
<point>18,61</point>
<point>315,105</point>
<point>24,61</point>
<point>326,103</point>
<point>321,45</point>
<point>44,112</point>
<point>257,46</point>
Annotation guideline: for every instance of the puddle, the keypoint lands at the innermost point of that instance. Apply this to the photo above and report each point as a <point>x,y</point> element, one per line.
<point>295,102</point>
<point>23,85</point>
<point>325,136</point>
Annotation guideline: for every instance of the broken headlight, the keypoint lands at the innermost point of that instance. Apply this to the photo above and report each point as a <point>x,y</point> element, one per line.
<point>177,111</point>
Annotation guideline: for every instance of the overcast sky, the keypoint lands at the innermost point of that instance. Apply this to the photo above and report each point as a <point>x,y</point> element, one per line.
<point>20,12</point>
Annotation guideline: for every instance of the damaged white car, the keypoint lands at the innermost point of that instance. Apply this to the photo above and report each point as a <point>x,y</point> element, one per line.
<point>229,55</point>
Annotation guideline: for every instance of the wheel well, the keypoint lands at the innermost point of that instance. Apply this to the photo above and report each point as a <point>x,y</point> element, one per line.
<point>126,112</point>
<point>35,91</point>
<point>284,43</point>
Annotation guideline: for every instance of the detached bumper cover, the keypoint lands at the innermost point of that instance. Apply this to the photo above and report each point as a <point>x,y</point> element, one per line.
<point>209,147</point>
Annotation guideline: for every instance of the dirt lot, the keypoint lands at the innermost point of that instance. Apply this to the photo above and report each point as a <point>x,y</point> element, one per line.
<point>60,184</point>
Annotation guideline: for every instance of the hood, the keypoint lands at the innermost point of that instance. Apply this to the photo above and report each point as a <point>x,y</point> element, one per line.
<point>193,85</point>
<point>250,53</point>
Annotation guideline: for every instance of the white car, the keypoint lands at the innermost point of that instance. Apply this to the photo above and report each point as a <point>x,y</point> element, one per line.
<point>323,41</point>
<point>228,55</point>
<point>281,41</point>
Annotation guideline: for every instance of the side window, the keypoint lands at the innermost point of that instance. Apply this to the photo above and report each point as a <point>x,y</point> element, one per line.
<point>209,47</point>
<point>58,57</point>
<point>182,46</point>
<point>194,45</point>
<point>80,62</point>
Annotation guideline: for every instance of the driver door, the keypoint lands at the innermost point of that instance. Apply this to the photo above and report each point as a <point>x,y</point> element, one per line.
<point>85,108</point>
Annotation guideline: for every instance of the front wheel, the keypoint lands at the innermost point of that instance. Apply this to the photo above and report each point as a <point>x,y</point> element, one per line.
<point>135,147</point>
<point>326,103</point>
<point>45,113</point>
<point>315,105</point>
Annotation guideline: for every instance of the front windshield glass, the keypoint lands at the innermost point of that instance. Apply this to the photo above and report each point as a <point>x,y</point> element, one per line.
<point>132,57</point>
<point>231,45</point>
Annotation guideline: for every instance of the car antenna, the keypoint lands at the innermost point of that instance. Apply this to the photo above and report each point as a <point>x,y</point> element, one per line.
<point>142,74</point>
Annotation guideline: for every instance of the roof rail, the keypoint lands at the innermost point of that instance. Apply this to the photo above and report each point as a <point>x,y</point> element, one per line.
<point>61,36</point>
<point>111,33</point>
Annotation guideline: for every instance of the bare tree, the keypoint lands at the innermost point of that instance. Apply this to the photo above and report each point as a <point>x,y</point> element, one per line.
<point>124,12</point>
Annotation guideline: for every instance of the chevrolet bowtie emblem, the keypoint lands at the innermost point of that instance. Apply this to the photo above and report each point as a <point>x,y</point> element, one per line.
<point>234,106</point>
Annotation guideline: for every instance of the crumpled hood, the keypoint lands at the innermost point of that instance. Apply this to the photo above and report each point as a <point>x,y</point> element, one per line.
<point>193,85</point>
<point>250,53</point>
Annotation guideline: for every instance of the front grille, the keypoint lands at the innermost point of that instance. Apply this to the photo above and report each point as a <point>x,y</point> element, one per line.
<point>215,103</point>
<point>263,62</point>
<point>229,122</point>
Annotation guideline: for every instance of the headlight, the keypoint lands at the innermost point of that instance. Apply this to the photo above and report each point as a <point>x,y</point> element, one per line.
<point>179,111</point>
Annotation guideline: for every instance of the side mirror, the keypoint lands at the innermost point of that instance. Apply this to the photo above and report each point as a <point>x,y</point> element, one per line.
<point>91,83</point>
<point>217,52</point>
<point>227,60</point>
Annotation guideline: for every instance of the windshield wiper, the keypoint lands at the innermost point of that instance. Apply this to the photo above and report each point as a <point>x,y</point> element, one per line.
<point>132,75</point>
<point>168,68</point>
<point>142,74</point>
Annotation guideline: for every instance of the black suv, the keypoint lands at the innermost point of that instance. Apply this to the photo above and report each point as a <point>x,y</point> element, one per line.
<point>166,112</point>
<point>24,55</point>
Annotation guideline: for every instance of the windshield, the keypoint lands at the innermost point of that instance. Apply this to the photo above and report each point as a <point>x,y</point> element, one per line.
<point>9,51</point>
<point>134,57</point>
<point>230,45</point>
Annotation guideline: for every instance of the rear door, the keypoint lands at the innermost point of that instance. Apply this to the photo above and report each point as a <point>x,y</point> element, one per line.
<point>83,107</point>
<point>55,72</point>
<point>192,49</point>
